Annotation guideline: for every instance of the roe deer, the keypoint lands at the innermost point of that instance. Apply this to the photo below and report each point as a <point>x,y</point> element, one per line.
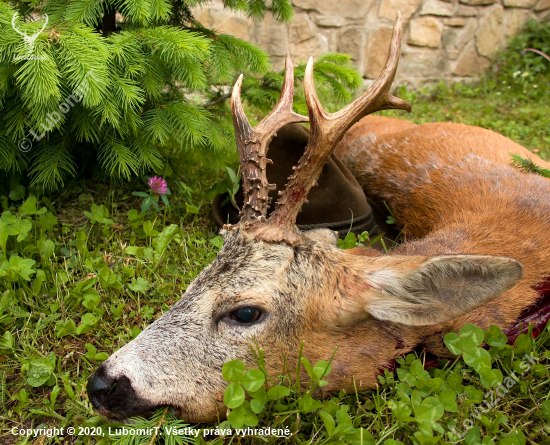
<point>471,221</point>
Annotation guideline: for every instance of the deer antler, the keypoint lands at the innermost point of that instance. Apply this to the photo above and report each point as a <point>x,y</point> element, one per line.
<point>326,131</point>
<point>253,144</point>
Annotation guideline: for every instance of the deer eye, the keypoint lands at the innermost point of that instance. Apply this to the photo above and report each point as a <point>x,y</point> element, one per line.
<point>245,315</point>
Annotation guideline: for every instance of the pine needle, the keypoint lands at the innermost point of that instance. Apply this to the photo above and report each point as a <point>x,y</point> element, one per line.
<point>159,425</point>
<point>528,166</point>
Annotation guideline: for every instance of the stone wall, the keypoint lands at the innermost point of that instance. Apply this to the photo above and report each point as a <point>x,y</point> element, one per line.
<point>449,39</point>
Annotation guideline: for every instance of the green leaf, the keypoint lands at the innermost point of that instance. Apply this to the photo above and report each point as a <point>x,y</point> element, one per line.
<point>108,278</point>
<point>146,204</point>
<point>322,369</point>
<point>401,411</point>
<point>513,438</point>
<point>7,344</point>
<point>491,378</point>
<point>447,397</point>
<point>28,207</point>
<point>233,371</point>
<point>46,250</point>
<point>252,380</point>
<point>544,411</point>
<point>472,437</point>
<point>17,193</point>
<point>539,370</point>
<point>309,369</point>
<point>234,395</point>
<point>277,392</point>
<point>25,226</point>
<point>89,319</point>
<point>242,415</point>
<point>452,341</point>
<point>477,358</point>
<point>259,400</point>
<point>139,285</point>
<point>92,351</point>
<point>149,229</point>
<point>329,422</point>
<point>217,242</point>
<point>430,409</point>
<point>40,371</point>
<point>471,336</point>
<point>100,214</point>
<point>18,267</point>
<point>523,344</point>
<point>91,300</point>
<point>191,209</point>
<point>63,328</point>
<point>495,337</point>
<point>47,221</point>
<point>165,237</point>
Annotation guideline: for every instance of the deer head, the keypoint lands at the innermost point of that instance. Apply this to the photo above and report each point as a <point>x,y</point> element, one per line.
<point>29,40</point>
<point>280,286</point>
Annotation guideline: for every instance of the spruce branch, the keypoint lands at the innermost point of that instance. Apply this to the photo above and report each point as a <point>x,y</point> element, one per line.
<point>528,166</point>
<point>159,424</point>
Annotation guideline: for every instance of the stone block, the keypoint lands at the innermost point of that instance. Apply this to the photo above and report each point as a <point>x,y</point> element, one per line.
<point>519,3</point>
<point>466,11</point>
<point>378,44</point>
<point>225,21</point>
<point>327,21</point>
<point>422,63</point>
<point>274,36</point>
<point>352,42</point>
<point>388,8</point>
<point>455,22</point>
<point>425,31</point>
<point>470,64</point>
<point>490,31</point>
<point>436,7</point>
<point>543,5</point>
<point>301,28</point>
<point>479,2</point>
<point>351,9</point>
<point>314,47</point>
<point>515,19</point>
<point>455,39</point>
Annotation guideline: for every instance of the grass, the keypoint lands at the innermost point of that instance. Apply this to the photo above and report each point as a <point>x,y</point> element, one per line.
<point>80,285</point>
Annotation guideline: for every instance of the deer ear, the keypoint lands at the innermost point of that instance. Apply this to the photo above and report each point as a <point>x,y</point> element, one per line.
<point>440,288</point>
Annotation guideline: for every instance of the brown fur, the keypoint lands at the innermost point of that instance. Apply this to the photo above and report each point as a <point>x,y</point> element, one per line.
<point>452,190</point>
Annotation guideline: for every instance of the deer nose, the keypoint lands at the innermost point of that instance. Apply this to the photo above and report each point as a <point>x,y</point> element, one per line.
<point>115,397</point>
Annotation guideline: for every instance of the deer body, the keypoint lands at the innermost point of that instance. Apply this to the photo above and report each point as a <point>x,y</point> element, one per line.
<point>470,222</point>
<point>452,190</point>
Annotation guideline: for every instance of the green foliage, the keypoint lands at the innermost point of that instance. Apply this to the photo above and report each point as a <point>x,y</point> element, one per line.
<point>514,59</point>
<point>528,166</point>
<point>125,99</point>
<point>102,279</point>
<point>352,241</point>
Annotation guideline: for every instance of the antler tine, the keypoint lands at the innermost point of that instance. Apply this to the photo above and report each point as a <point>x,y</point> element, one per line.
<point>253,143</point>
<point>326,131</point>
